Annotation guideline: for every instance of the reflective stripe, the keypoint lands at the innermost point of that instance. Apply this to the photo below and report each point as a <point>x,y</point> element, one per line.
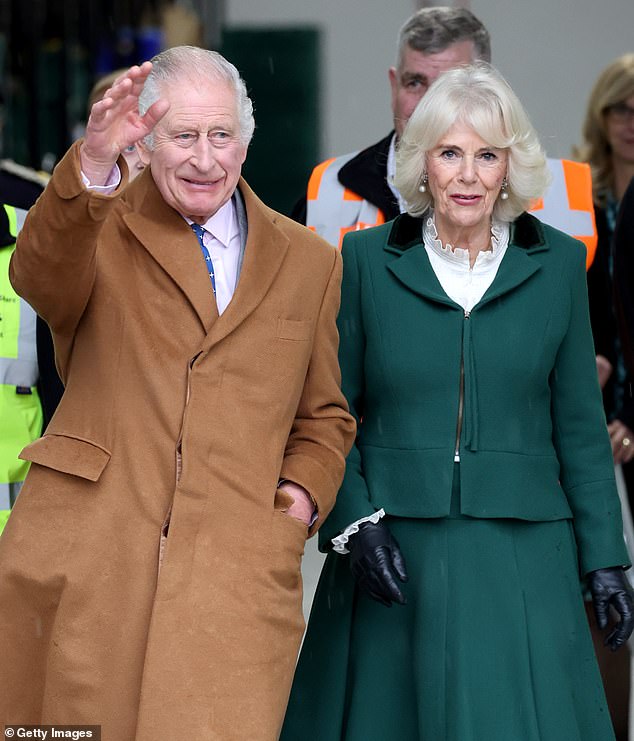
<point>332,210</point>
<point>20,413</point>
<point>18,353</point>
<point>20,215</point>
<point>8,495</point>
<point>567,205</point>
<point>4,516</point>
<point>21,416</point>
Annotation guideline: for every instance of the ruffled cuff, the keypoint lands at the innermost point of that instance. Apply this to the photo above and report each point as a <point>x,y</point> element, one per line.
<point>339,543</point>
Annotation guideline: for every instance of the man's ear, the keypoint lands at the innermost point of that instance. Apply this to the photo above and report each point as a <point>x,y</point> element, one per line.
<point>143,151</point>
<point>392,75</point>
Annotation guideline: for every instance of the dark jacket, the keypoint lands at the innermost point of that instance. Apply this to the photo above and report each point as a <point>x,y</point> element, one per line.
<point>534,444</point>
<point>365,175</point>
<point>612,308</point>
<point>624,274</point>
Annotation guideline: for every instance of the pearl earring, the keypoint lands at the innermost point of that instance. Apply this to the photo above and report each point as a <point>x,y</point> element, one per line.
<point>422,188</point>
<point>503,193</point>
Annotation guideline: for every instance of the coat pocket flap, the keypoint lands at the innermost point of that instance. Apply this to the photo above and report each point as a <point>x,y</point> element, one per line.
<point>293,329</point>
<point>68,455</point>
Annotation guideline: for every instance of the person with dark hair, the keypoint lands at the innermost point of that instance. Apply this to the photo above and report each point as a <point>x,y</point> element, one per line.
<point>480,491</point>
<point>150,570</point>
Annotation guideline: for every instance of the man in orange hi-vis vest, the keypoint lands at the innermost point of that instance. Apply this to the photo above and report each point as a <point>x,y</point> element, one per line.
<point>355,191</point>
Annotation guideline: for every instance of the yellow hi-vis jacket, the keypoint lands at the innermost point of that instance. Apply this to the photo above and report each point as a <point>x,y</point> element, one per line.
<point>20,408</point>
<point>333,210</point>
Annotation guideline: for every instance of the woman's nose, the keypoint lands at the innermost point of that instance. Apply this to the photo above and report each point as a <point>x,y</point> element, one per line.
<point>467,168</point>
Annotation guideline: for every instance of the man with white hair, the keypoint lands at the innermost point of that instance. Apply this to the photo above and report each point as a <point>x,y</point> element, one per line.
<point>150,571</point>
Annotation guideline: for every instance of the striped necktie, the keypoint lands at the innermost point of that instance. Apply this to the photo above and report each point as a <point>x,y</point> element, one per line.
<point>200,232</point>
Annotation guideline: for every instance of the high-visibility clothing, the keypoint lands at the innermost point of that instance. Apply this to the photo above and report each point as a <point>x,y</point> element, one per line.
<point>567,204</point>
<point>20,408</point>
<point>333,210</point>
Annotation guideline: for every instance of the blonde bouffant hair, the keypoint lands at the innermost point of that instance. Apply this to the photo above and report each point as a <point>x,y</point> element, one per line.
<point>614,85</point>
<point>478,96</point>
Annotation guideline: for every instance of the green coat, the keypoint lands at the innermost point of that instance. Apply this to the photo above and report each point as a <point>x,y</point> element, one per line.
<point>534,444</point>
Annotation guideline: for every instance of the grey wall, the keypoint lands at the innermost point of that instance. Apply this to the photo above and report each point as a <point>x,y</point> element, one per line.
<point>359,41</point>
<point>551,52</point>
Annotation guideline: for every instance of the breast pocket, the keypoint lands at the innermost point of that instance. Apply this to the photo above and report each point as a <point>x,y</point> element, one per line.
<point>294,329</point>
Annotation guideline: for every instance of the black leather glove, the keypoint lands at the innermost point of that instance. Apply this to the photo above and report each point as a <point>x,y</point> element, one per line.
<point>610,587</point>
<point>376,562</point>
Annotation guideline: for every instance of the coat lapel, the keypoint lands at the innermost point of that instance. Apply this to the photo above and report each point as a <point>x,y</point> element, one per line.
<point>170,241</point>
<point>525,240</point>
<point>412,268</point>
<point>266,247</point>
<point>516,268</point>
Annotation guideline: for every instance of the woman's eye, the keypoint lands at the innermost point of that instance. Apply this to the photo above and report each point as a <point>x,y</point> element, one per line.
<point>448,154</point>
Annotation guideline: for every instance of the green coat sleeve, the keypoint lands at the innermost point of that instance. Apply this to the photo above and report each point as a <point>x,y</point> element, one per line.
<point>580,436</point>
<point>353,501</point>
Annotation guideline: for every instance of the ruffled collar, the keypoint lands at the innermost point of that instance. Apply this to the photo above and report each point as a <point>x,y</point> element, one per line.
<point>458,255</point>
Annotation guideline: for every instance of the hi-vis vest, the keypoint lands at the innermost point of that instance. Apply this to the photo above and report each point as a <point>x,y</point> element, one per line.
<point>20,408</point>
<point>333,210</point>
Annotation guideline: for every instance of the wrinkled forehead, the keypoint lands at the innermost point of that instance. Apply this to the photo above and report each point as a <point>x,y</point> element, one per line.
<point>202,97</point>
<point>198,83</point>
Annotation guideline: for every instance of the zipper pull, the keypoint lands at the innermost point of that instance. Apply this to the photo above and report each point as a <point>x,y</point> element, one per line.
<point>467,314</point>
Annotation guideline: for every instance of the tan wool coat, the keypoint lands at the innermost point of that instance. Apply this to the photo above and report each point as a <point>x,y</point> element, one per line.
<point>149,576</point>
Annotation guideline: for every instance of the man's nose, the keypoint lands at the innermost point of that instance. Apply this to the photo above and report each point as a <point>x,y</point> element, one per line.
<point>202,153</point>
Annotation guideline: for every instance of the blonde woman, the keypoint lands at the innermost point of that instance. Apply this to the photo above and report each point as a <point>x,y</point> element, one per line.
<point>480,486</point>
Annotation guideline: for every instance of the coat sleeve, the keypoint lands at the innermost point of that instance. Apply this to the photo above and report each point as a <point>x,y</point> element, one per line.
<point>580,435</point>
<point>53,266</point>
<point>353,501</point>
<point>323,429</point>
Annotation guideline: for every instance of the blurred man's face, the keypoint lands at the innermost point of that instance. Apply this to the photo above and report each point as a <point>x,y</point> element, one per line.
<point>198,153</point>
<point>416,73</point>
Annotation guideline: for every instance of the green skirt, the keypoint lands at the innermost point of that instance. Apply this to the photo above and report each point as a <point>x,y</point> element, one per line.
<point>492,645</point>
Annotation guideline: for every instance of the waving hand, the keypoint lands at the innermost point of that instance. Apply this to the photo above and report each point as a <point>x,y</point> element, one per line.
<point>115,123</point>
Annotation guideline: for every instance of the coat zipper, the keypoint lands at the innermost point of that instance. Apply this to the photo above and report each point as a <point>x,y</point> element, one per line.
<point>456,456</point>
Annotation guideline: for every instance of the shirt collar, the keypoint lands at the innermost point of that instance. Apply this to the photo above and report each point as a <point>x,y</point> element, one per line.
<point>223,224</point>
